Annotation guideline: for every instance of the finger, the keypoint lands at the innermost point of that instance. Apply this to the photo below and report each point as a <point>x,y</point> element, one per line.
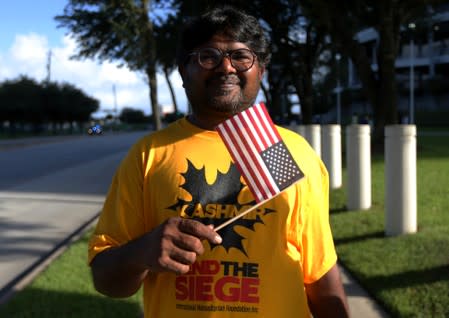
<point>189,242</point>
<point>173,259</point>
<point>183,256</point>
<point>173,265</point>
<point>199,230</point>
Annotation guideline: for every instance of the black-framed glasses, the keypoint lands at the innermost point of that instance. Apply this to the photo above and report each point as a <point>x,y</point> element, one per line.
<point>210,57</point>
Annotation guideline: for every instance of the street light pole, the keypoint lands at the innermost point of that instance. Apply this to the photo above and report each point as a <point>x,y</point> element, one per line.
<point>412,27</point>
<point>337,58</point>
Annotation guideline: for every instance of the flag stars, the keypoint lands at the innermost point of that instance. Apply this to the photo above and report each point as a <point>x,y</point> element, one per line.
<point>281,165</point>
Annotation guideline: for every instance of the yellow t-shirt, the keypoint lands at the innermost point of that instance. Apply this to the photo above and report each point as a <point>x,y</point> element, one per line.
<point>266,257</point>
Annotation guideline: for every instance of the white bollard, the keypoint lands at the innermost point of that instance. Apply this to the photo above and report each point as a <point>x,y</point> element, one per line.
<point>400,180</point>
<point>312,133</point>
<point>331,153</point>
<point>358,163</point>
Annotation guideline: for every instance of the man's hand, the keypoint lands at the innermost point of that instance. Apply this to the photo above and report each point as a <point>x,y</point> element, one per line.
<point>172,246</point>
<point>175,244</point>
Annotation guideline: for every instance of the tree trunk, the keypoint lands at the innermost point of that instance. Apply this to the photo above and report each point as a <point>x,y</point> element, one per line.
<point>388,31</point>
<point>153,98</point>
<point>172,92</point>
<point>370,85</point>
<point>301,74</point>
<point>149,47</point>
<point>305,99</point>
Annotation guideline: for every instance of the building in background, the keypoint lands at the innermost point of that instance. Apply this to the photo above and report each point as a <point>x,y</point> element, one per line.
<point>422,69</point>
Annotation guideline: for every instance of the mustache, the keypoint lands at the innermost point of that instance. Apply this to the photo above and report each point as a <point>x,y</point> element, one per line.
<point>225,79</point>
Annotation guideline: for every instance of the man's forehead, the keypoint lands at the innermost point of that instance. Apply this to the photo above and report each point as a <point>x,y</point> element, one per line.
<point>223,41</point>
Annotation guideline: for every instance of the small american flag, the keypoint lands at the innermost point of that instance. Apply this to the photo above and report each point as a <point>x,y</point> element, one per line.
<point>259,152</point>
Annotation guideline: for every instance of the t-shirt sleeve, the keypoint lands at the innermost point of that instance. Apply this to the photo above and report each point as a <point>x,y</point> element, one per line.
<point>309,228</point>
<point>121,218</point>
<point>316,238</point>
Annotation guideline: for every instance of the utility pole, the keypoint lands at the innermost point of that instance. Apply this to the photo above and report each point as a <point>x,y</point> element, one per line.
<point>49,54</point>
<point>114,120</point>
<point>115,99</point>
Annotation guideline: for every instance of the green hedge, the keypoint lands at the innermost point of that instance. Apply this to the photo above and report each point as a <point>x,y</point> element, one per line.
<point>432,118</point>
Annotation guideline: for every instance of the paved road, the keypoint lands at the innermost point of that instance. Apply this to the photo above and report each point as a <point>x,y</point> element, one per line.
<point>49,189</point>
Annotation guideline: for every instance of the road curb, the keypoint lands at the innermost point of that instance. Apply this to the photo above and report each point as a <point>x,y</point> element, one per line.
<point>25,278</point>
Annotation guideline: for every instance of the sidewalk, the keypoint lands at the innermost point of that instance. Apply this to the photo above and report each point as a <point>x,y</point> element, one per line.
<point>359,301</point>
<point>28,247</point>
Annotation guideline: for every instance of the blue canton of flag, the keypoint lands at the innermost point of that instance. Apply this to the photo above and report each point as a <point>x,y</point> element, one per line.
<point>281,165</point>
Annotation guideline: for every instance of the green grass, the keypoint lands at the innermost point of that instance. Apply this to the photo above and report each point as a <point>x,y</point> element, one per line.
<point>65,289</point>
<point>407,274</point>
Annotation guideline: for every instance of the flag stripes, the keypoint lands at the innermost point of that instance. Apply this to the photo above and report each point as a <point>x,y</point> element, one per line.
<point>246,136</point>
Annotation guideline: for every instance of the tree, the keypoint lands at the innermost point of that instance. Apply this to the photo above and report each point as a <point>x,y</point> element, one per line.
<point>303,50</point>
<point>132,116</point>
<point>342,20</point>
<point>65,103</point>
<point>24,101</point>
<point>21,103</point>
<point>165,35</point>
<point>78,106</point>
<point>116,30</point>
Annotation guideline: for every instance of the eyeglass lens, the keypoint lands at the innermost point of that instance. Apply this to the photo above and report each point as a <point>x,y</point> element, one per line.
<point>241,59</point>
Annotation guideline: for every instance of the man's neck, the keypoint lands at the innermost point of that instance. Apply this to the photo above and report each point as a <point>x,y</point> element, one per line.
<point>208,124</point>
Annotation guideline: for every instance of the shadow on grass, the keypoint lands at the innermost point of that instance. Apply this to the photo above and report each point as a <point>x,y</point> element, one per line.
<point>338,210</point>
<point>359,238</point>
<point>410,278</point>
<point>37,303</point>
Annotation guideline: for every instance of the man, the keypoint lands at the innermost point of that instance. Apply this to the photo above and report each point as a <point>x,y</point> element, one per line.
<point>177,184</point>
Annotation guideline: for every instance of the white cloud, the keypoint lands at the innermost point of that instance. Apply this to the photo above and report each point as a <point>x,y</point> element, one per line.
<point>28,55</point>
<point>29,48</point>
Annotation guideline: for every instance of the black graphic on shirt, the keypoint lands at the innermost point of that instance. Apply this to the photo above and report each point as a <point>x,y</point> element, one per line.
<point>215,203</point>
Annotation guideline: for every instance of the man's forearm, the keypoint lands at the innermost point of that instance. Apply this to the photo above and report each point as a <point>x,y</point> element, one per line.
<point>119,272</point>
<point>173,246</point>
<point>327,297</point>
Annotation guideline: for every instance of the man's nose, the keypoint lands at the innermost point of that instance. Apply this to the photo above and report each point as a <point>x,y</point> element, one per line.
<point>226,65</point>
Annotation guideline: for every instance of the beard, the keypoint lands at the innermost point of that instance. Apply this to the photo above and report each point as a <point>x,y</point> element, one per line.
<point>226,100</point>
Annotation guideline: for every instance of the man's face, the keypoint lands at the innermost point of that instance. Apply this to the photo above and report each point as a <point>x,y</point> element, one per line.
<point>222,91</point>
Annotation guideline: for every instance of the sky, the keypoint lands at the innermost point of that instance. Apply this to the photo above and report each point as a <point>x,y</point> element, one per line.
<point>29,35</point>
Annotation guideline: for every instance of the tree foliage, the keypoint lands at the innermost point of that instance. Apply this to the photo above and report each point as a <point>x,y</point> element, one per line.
<point>131,31</point>
<point>342,20</point>
<point>25,102</point>
<point>116,30</point>
<point>132,116</point>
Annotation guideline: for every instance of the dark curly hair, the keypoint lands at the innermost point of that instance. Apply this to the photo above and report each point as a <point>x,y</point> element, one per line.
<point>228,21</point>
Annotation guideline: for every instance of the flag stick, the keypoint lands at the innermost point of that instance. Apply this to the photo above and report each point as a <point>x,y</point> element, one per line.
<point>238,216</point>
